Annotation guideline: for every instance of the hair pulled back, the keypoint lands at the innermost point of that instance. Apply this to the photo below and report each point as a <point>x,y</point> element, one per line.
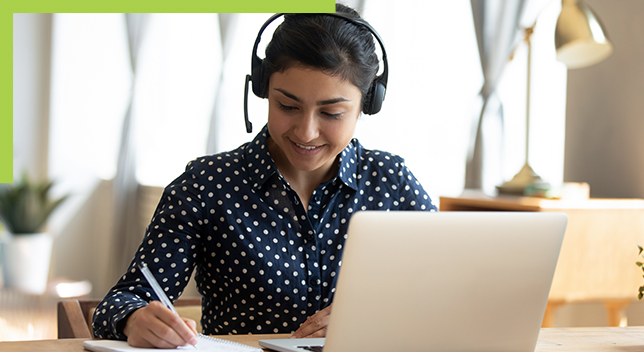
<point>330,44</point>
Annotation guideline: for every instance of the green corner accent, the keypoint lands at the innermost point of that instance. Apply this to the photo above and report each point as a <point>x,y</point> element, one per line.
<point>8,8</point>
<point>228,6</point>
<point>6,100</point>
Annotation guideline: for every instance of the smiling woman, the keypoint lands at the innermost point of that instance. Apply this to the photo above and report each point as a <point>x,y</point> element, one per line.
<point>264,225</point>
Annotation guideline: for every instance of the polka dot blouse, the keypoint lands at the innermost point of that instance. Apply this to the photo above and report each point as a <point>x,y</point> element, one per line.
<point>263,262</point>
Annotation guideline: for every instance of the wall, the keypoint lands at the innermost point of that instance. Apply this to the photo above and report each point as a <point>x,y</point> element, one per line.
<point>605,130</point>
<point>605,109</point>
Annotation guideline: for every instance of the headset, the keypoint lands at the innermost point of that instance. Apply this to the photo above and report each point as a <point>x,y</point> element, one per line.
<point>376,92</point>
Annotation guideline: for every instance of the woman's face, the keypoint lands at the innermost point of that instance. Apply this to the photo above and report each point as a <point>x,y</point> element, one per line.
<point>311,117</point>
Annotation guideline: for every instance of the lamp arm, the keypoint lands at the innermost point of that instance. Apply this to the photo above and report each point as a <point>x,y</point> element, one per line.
<point>529,32</point>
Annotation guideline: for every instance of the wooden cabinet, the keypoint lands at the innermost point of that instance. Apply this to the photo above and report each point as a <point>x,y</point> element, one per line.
<point>598,254</point>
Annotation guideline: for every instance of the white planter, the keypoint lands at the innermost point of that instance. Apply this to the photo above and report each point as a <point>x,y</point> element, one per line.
<point>25,262</point>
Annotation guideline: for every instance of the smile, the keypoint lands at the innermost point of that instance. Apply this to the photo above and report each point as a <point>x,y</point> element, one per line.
<point>307,147</point>
<point>306,150</point>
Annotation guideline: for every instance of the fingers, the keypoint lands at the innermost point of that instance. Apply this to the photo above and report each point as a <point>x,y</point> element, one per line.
<point>315,325</point>
<point>157,326</point>
<point>191,324</point>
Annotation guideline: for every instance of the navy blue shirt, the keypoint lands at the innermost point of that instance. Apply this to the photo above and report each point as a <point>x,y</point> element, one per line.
<point>263,262</point>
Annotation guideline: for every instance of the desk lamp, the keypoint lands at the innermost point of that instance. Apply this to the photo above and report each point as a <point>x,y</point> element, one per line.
<point>580,42</point>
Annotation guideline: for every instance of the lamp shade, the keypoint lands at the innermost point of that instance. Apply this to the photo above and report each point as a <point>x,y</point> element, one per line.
<point>579,37</point>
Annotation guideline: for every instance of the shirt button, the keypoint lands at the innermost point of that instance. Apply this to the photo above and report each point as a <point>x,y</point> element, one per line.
<point>313,282</point>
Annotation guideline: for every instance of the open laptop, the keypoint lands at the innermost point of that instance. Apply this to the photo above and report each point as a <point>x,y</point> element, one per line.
<point>450,281</point>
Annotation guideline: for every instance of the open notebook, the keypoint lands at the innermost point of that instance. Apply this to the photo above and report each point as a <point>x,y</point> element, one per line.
<point>451,281</point>
<point>205,343</point>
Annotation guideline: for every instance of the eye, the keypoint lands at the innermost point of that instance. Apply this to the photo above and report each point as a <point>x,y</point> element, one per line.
<point>333,116</point>
<point>286,107</point>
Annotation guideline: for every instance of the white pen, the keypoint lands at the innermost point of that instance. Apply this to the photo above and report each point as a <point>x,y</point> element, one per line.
<point>155,286</point>
<point>157,289</point>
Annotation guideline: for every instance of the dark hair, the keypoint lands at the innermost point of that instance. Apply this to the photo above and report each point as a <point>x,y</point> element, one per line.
<point>331,44</point>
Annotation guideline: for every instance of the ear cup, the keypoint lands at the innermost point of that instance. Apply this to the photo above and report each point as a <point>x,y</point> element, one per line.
<point>374,98</point>
<point>256,76</point>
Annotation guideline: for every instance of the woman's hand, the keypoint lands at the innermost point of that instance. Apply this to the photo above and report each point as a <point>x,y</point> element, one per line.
<point>157,326</point>
<point>315,325</point>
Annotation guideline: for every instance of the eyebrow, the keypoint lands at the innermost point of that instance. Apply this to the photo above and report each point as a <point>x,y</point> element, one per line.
<point>319,103</point>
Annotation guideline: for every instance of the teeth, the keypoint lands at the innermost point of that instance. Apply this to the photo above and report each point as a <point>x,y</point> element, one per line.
<point>305,147</point>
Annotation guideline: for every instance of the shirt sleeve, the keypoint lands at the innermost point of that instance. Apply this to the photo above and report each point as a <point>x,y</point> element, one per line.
<point>170,248</point>
<point>412,195</point>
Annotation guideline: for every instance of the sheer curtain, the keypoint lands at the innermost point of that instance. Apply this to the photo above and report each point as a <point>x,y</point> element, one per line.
<point>90,88</point>
<point>125,183</point>
<point>131,101</point>
<point>497,32</point>
<point>497,146</point>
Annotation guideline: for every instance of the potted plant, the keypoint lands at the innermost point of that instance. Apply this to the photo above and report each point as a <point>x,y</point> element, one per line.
<point>641,265</point>
<point>25,207</point>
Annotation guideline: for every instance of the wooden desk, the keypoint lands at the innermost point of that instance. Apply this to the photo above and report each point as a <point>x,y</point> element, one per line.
<point>76,345</point>
<point>550,339</point>
<point>598,255</point>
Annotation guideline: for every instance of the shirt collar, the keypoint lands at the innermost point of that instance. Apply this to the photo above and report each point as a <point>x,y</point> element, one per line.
<point>348,165</point>
<point>259,163</point>
<point>261,167</point>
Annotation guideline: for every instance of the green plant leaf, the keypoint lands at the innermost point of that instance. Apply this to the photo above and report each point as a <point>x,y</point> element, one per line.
<point>25,205</point>
<point>641,249</point>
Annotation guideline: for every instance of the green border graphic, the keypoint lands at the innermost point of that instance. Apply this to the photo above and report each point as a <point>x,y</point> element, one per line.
<point>118,6</point>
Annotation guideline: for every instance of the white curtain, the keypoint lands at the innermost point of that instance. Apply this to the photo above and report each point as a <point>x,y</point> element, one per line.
<point>497,32</point>
<point>131,100</point>
<point>125,185</point>
<point>497,145</point>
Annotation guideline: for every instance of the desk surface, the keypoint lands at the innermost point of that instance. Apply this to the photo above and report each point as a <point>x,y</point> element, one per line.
<point>550,339</point>
<point>475,200</point>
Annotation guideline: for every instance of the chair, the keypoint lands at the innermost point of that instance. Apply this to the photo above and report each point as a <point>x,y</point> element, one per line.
<point>75,316</point>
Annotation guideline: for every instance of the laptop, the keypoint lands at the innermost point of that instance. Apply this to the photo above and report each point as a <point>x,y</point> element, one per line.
<point>448,281</point>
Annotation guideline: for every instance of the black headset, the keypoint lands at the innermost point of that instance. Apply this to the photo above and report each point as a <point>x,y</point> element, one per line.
<point>375,94</point>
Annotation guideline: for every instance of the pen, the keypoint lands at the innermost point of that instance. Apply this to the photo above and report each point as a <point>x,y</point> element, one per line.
<point>157,289</point>
<point>155,286</point>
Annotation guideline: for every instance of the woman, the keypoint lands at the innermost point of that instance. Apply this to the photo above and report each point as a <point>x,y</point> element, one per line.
<point>264,224</point>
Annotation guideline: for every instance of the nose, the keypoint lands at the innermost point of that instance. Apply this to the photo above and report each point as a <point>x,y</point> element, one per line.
<point>306,128</point>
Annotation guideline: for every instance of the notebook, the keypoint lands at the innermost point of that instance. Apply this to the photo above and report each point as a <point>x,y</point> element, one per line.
<point>450,281</point>
<point>205,343</point>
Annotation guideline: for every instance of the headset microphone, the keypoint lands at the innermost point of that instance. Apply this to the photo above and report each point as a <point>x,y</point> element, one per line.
<point>376,92</point>
<point>249,125</point>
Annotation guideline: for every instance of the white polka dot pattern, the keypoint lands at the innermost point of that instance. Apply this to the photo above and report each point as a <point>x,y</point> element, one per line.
<point>263,263</point>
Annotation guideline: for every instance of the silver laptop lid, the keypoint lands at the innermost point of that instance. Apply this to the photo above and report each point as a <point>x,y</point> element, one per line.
<point>450,281</point>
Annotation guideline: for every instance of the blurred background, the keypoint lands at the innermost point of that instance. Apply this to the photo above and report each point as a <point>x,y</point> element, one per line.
<point>111,107</point>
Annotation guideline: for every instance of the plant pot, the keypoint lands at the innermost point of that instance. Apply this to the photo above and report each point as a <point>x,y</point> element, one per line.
<point>25,262</point>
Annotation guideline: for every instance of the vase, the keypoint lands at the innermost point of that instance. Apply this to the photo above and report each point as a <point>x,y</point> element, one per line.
<point>25,262</point>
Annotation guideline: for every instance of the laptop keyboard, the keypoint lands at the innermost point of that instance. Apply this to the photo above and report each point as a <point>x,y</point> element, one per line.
<point>312,348</point>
